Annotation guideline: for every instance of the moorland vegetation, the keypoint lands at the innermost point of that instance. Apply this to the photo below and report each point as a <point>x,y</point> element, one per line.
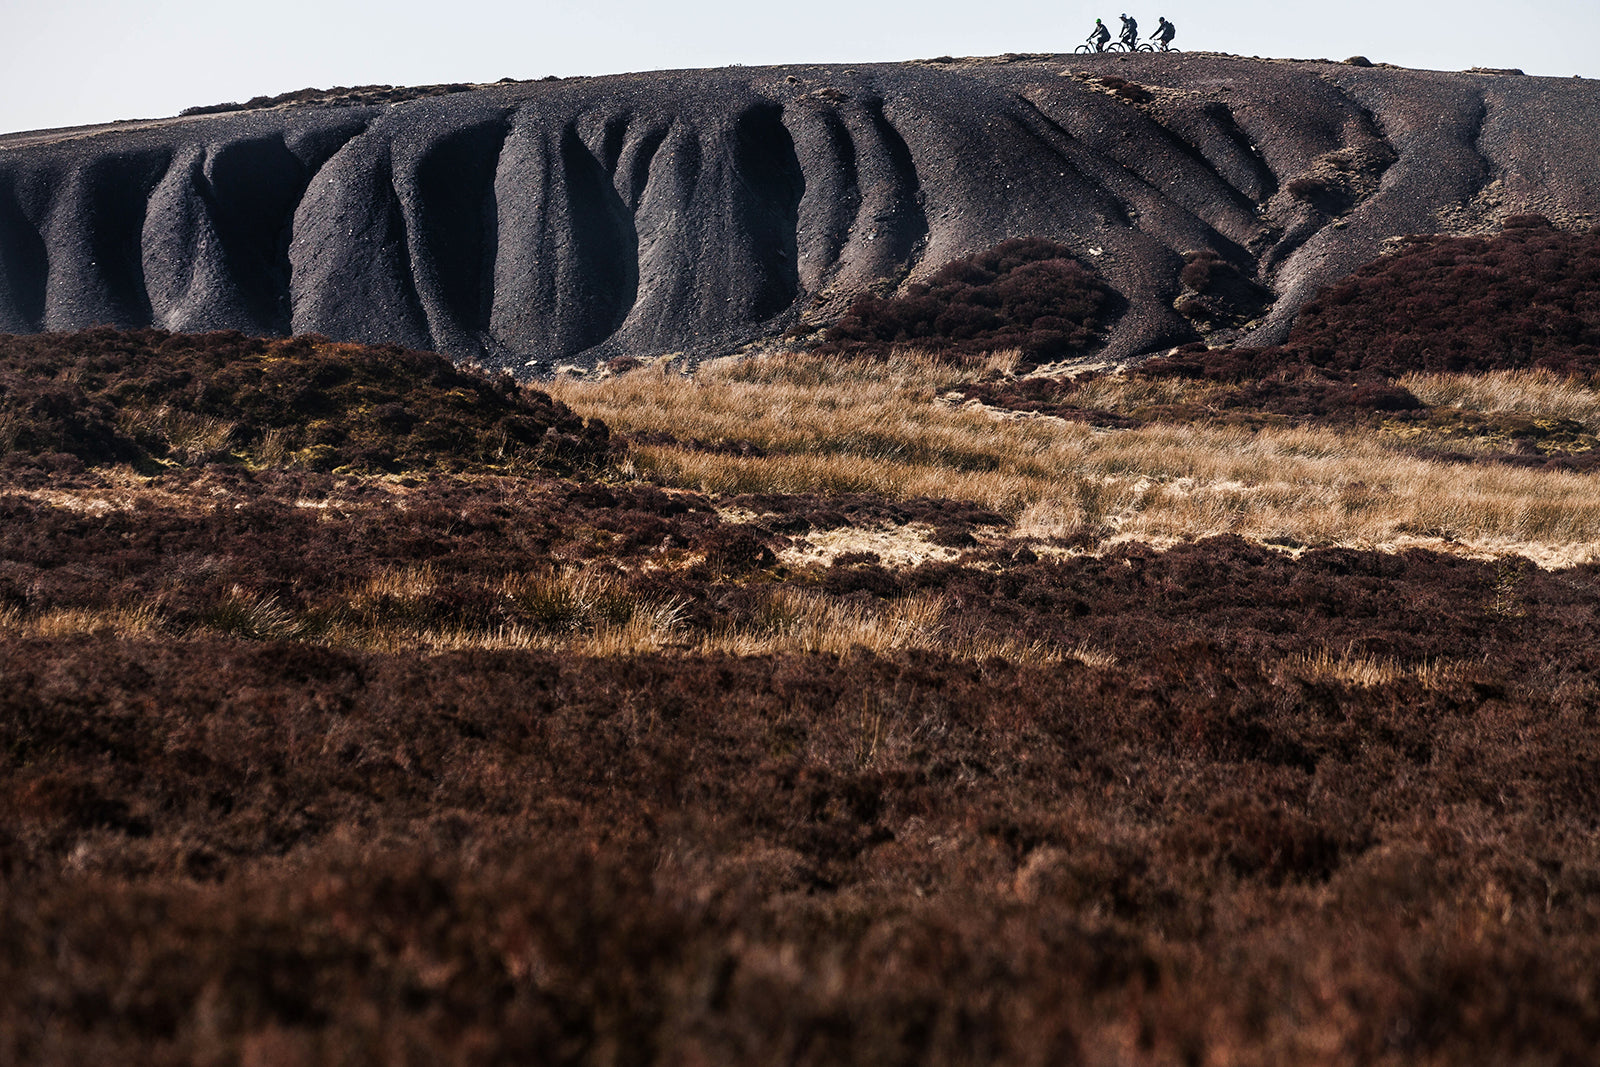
<point>1025,294</point>
<point>886,708</point>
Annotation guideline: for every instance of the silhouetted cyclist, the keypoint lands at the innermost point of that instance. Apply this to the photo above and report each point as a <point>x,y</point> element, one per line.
<point>1100,36</point>
<point>1130,32</point>
<point>1164,33</point>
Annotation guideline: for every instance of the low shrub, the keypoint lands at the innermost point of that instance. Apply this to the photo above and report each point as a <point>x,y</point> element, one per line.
<point>1525,298</point>
<point>155,399</point>
<point>1027,293</point>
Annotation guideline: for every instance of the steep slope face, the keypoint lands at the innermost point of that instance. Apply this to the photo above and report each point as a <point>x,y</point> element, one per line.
<point>529,224</point>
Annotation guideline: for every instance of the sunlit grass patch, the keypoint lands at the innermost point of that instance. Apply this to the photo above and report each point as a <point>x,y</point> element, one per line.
<point>1526,392</point>
<point>798,621</point>
<point>1370,672</point>
<point>135,621</point>
<point>838,426</point>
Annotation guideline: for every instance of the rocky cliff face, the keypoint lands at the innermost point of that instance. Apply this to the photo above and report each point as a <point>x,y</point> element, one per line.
<point>531,224</point>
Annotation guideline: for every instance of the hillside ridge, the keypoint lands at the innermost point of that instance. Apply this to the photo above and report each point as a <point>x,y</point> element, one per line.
<point>531,224</point>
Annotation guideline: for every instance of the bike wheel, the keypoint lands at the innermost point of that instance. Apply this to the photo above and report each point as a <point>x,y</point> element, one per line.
<point>1082,50</point>
<point>1147,48</point>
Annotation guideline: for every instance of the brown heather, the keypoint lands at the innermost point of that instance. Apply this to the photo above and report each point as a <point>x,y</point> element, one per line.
<point>874,733</point>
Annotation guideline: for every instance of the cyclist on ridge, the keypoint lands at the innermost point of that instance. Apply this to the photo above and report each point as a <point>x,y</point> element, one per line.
<point>1164,33</point>
<point>1130,32</point>
<point>1100,36</point>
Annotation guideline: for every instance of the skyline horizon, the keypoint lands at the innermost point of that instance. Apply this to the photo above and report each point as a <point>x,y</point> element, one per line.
<point>331,86</point>
<point>94,62</point>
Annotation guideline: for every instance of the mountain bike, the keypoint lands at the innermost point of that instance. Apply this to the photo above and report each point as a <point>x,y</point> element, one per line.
<point>1122,46</point>
<point>1088,48</point>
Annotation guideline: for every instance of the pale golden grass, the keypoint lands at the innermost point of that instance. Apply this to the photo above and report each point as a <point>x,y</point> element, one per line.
<point>189,437</point>
<point>252,616</point>
<point>1122,393</point>
<point>586,613</point>
<point>895,546</point>
<point>274,448</point>
<point>408,584</point>
<point>651,628</point>
<point>594,613</point>
<point>800,621</point>
<point>832,426</point>
<point>138,621</point>
<point>1371,672</point>
<point>1535,393</point>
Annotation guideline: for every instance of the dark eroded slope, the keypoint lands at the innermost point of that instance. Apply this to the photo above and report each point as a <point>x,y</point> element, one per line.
<point>534,223</point>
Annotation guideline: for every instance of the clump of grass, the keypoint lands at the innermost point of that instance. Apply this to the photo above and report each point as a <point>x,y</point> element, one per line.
<point>650,626</point>
<point>251,616</point>
<point>177,435</point>
<point>1535,392</point>
<point>791,621</point>
<point>1368,671</point>
<point>799,621</point>
<point>571,601</point>
<point>139,620</point>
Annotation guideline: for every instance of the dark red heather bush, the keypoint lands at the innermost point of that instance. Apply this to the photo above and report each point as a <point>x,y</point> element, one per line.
<point>1529,297</point>
<point>1025,293</point>
<point>1216,292</point>
<point>111,396</point>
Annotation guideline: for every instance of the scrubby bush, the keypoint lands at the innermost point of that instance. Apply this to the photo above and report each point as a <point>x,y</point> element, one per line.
<point>1524,299</point>
<point>1216,292</point>
<point>155,398</point>
<point>1027,293</point>
<point>1529,297</point>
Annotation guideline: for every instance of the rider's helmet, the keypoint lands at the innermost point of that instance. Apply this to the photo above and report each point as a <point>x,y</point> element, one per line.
<point>1097,22</point>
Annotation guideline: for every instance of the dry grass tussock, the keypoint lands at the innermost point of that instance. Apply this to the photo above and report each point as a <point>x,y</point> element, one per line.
<point>595,614</point>
<point>837,426</point>
<point>1371,672</point>
<point>570,610</point>
<point>1537,393</point>
<point>794,621</point>
<point>137,621</point>
<point>185,435</point>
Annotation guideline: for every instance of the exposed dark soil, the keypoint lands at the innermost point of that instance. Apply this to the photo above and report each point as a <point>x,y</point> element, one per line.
<point>527,225</point>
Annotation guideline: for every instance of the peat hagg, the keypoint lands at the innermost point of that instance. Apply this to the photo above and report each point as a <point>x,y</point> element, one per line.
<point>527,224</point>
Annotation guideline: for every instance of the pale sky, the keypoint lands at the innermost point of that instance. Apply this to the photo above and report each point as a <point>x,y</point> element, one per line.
<point>74,62</point>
